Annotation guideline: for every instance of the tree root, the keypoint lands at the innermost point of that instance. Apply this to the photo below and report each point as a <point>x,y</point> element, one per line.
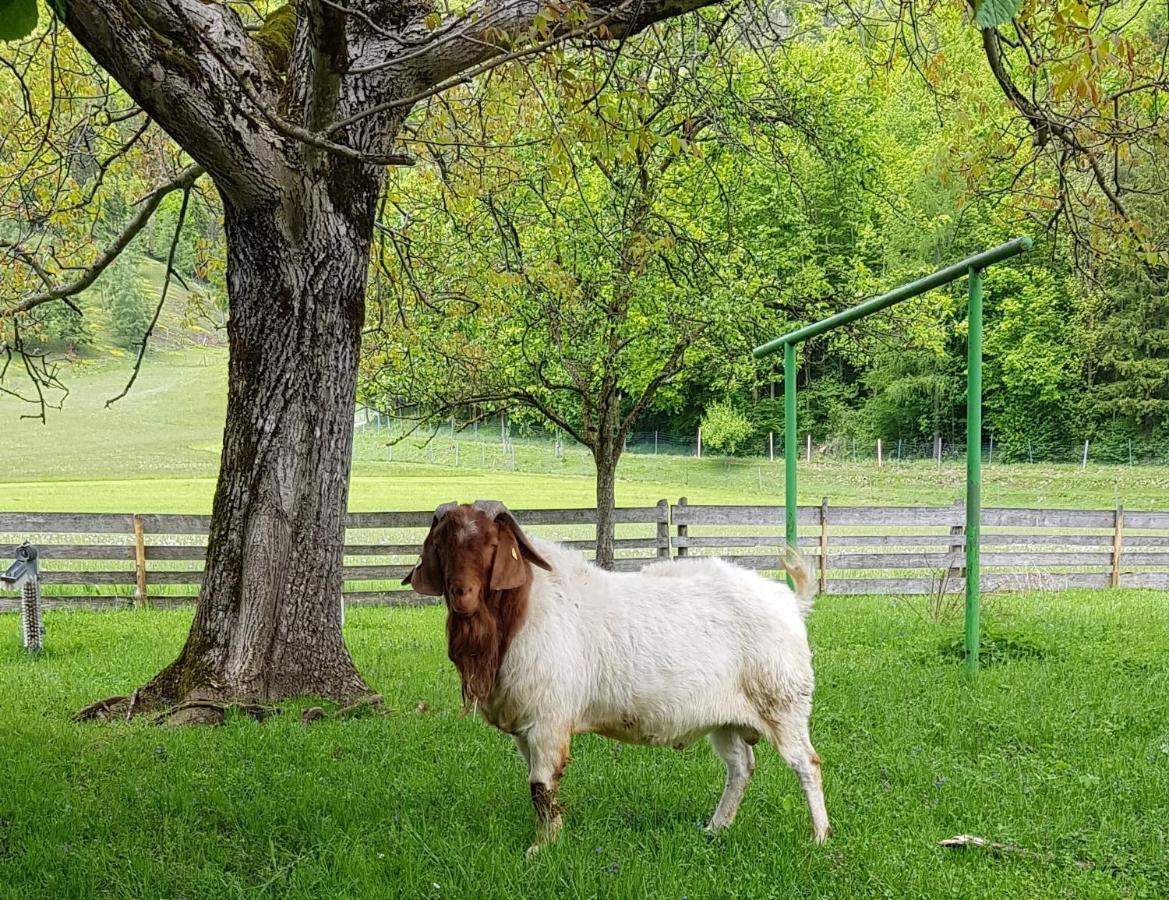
<point>104,710</point>
<point>210,712</point>
<point>188,712</point>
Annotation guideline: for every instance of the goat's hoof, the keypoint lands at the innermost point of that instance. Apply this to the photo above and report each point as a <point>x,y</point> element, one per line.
<point>533,851</point>
<point>821,836</point>
<point>713,827</point>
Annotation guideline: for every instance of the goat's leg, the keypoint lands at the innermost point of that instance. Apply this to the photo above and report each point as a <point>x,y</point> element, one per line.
<point>739,758</point>
<point>547,757</point>
<point>521,743</point>
<point>790,737</point>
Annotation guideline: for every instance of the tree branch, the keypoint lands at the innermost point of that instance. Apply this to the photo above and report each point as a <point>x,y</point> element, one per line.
<point>184,182</point>
<point>156,50</point>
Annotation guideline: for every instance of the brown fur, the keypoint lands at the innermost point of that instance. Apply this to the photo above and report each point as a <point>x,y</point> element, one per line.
<point>482,566</point>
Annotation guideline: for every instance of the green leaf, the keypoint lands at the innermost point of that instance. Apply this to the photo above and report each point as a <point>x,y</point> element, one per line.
<point>58,8</point>
<point>992,13</point>
<point>18,18</point>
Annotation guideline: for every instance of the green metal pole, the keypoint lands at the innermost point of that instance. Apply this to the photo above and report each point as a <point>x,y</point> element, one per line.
<point>950,273</point>
<point>973,466</point>
<point>790,436</point>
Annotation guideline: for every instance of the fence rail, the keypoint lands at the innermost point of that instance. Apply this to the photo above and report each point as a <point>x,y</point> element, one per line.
<point>121,559</point>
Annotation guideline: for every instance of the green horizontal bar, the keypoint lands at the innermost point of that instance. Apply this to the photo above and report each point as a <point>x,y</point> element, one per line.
<point>977,262</point>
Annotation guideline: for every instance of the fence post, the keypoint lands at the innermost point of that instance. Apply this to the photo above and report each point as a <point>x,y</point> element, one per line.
<point>771,446</point>
<point>683,530</point>
<point>808,457</point>
<point>140,595</point>
<point>456,454</point>
<point>990,459</point>
<point>1117,545</point>
<point>700,442</point>
<point>664,530</point>
<point>880,459</point>
<point>824,546</point>
<point>1084,464</point>
<point>655,442</point>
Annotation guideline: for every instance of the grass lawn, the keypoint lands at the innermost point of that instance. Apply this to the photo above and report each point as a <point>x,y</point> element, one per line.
<point>1061,747</point>
<point>157,450</point>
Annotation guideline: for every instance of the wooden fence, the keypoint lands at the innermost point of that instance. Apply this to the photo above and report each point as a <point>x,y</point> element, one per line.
<point>102,559</point>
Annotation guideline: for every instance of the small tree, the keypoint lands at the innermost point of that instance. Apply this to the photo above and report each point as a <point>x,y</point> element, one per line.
<point>724,427</point>
<point>128,310</point>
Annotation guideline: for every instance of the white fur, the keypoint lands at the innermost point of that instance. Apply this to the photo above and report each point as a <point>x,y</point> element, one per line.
<point>663,656</point>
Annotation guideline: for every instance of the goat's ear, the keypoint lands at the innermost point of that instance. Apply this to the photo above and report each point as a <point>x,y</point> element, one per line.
<point>424,578</point>
<point>509,569</point>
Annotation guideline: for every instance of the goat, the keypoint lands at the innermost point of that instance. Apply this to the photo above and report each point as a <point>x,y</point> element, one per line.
<point>547,645</point>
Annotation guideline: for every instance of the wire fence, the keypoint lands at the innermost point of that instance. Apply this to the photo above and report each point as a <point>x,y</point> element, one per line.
<point>499,445</point>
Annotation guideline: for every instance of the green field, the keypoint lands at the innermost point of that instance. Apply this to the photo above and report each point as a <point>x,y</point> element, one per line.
<point>1061,748</point>
<point>157,450</point>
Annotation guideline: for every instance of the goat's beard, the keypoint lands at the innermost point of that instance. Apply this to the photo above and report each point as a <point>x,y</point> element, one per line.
<point>476,644</point>
<point>473,645</point>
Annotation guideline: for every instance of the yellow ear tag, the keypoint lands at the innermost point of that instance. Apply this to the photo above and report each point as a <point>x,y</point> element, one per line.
<point>514,555</point>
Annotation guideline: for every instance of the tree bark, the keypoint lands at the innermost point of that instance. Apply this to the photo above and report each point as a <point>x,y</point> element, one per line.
<point>268,622</point>
<point>606,455</point>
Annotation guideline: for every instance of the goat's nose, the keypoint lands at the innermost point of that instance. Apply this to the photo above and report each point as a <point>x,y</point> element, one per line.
<point>460,590</point>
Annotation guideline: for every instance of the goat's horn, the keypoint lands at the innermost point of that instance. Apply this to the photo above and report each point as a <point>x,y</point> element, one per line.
<point>443,509</point>
<point>492,508</point>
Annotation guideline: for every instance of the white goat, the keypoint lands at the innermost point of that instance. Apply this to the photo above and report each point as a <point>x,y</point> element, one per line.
<point>663,656</point>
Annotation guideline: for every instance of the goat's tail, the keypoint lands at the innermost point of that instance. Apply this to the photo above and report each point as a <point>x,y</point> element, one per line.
<point>803,581</point>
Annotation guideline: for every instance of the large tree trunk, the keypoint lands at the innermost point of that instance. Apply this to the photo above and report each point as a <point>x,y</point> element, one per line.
<point>268,622</point>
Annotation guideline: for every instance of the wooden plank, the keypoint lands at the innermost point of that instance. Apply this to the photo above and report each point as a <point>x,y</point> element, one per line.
<point>1159,580</point>
<point>65,523</point>
<point>633,563</point>
<point>1148,520</point>
<point>168,523</point>
<point>759,540</point>
<point>1033,559</point>
<point>389,598</point>
<point>1042,558</point>
<point>414,519</point>
<point>897,515</point>
<point>678,517</point>
<point>1048,518</point>
<point>175,551</point>
<point>1038,539</point>
<point>1132,540</point>
<point>685,514</point>
<point>375,573</point>
<point>411,549</point>
<point>69,601</point>
<point>768,562</point>
<point>618,544</point>
<point>852,541</point>
<point>988,582</point>
<point>1095,541</point>
<point>855,586</point>
<point>74,551</point>
<point>1129,558</point>
<point>126,577</point>
<point>186,576</point>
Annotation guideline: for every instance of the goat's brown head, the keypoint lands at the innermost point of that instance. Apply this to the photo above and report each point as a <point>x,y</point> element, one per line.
<point>477,557</point>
